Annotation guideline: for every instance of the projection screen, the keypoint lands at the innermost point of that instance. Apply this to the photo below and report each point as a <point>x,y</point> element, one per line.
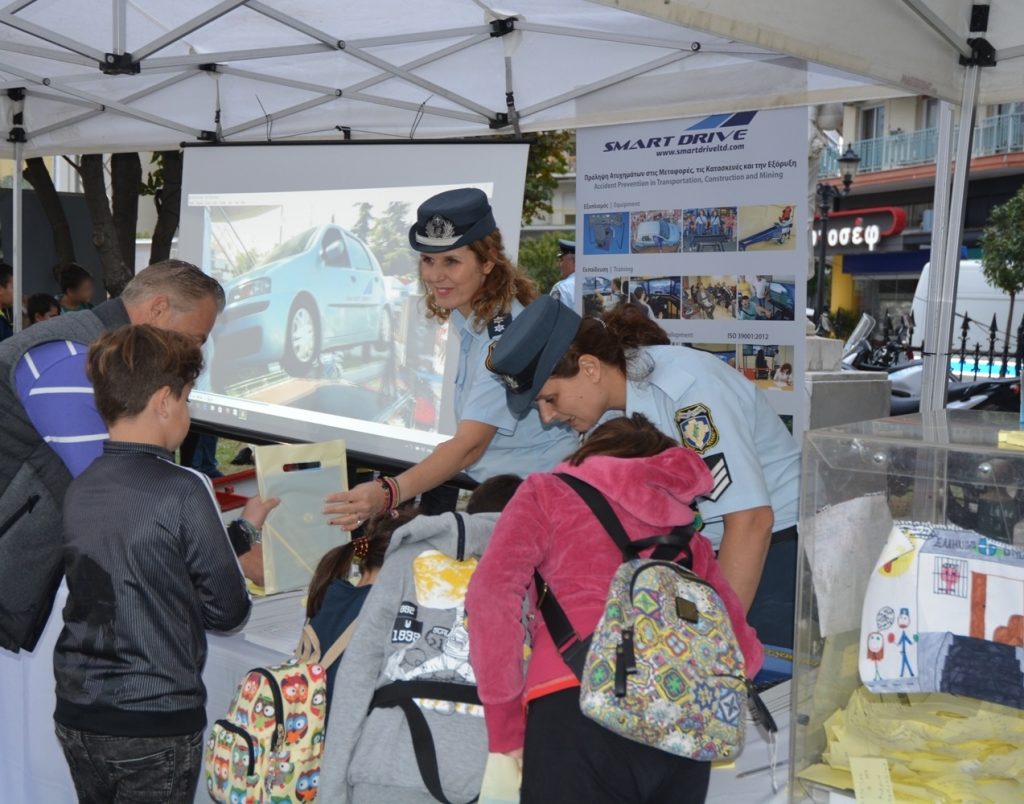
<point>325,332</point>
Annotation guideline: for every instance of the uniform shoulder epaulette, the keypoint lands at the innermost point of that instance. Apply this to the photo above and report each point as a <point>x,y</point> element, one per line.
<point>499,324</point>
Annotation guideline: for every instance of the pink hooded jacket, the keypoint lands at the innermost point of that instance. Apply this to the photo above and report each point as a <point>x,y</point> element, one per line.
<point>547,526</point>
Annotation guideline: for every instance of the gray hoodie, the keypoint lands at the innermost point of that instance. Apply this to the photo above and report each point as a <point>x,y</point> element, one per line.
<point>412,626</point>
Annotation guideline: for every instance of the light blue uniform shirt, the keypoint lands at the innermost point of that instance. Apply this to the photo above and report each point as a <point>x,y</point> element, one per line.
<point>705,405</point>
<point>520,446</point>
<point>565,291</point>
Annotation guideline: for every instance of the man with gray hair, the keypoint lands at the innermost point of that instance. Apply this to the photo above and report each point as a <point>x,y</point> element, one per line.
<point>52,432</point>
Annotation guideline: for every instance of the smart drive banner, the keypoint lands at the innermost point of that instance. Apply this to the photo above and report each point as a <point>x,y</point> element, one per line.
<point>702,222</point>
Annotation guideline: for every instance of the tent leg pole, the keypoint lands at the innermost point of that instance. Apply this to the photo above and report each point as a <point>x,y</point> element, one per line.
<point>16,217</point>
<point>949,208</point>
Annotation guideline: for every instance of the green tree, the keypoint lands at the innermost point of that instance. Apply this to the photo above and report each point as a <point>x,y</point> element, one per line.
<point>551,154</point>
<point>538,256</point>
<point>364,220</point>
<point>1002,255</point>
<point>389,240</point>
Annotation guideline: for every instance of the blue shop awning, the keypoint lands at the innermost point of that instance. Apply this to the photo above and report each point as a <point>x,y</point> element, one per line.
<point>886,262</point>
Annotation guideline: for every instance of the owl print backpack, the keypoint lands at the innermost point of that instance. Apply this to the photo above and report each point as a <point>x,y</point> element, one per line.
<point>267,749</point>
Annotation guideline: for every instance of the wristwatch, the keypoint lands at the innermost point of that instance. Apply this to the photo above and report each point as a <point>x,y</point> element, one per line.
<point>243,535</point>
<point>255,534</point>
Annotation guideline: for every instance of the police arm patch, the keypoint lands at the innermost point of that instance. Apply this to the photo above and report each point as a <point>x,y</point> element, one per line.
<point>719,469</point>
<point>696,428</point>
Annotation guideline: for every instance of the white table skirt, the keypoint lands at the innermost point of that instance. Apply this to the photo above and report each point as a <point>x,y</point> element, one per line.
<point>32,765</point>
<point>33,768</point>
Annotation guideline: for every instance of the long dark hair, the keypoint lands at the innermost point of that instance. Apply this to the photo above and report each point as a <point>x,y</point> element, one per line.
<point>337,562</point>
<point>623,437</point>
<point>609,338</point>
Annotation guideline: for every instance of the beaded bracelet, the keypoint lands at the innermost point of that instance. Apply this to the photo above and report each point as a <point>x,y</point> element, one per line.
<point>392,494</point>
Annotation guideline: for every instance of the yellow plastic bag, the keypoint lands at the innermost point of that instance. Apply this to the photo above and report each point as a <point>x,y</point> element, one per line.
<point>296,533</point>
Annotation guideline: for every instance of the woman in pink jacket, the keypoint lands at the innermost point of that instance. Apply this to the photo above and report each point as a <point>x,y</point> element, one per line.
<point>532,706</point>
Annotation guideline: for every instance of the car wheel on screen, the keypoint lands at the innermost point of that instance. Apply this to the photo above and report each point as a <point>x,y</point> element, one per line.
<point>385,332</point>
<point>302,346</point>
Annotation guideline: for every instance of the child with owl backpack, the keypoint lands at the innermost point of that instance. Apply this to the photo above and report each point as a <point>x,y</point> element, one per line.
<point>407,725</point>
<point>279,714</point>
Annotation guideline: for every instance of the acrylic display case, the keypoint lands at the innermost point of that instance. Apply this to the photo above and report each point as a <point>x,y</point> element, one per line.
<point>946,469</point>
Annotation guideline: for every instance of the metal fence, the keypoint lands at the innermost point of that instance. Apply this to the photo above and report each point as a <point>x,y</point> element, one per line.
<point>998,134</point>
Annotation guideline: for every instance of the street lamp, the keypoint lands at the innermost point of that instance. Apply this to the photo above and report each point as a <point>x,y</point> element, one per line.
<point>827,194</point>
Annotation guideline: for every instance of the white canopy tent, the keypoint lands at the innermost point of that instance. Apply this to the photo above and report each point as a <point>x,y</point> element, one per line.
<point>129,75</point>
<point>146,74</point>
<point>962,53</point>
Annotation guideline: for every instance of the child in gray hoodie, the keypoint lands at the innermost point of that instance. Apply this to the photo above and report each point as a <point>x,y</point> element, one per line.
<point>412,628</point>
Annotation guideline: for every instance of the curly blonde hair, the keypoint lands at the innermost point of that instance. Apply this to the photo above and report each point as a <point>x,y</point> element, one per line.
<point>505,282</point>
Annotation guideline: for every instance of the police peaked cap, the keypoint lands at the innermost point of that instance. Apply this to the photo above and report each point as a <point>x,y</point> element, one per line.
<point>452,219</point>
<point>530,348</point>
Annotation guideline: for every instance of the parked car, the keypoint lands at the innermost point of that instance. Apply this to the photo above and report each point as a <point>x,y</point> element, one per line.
<point>781,301</point>
<point>657,234</point>
<point>320,290</point>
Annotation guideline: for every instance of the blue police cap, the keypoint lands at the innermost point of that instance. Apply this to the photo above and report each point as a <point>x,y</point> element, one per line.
<point>452,219</point>
<point>566,246</point>
<point>530,348</point>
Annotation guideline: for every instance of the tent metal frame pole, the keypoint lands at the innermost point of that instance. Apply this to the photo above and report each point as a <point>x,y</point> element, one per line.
<point>429,58</point>
<point>186,28</point>
<point>70,101</point>
<point>98,108</point>
<point>421,37</point>
<point>195,59</point>
<point>15,7</point>
<point>320,89</point>
<point>933,21</point>
<point>52,37</point>
<point>16,242</point>
<point>298,107</point>
<point>376,41</point>
<point>356,52</point>
<point>120,33</point>
<point>115,106</point>
<point>48,53</point>
<point>605,82</point>
<point>412,106</point>
<point>942,296</point>
<point>604,36</point>
<point>430,86</point>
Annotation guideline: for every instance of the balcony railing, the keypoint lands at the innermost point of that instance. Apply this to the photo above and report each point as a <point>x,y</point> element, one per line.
<point>999,134</point>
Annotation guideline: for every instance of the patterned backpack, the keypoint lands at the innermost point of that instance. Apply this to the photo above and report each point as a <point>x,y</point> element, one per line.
<point>663,667</point>
<point>268,748</point>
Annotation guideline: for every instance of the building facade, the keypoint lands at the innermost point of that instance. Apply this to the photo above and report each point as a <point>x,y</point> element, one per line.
<point>897,141</point>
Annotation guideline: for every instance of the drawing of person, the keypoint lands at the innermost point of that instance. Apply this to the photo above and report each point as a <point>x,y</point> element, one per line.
<point>876,651</point>
<point>903,621</point>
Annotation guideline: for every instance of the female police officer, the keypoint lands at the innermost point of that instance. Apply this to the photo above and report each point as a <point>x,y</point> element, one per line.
<point>470,281</point>
<point>576,371</point>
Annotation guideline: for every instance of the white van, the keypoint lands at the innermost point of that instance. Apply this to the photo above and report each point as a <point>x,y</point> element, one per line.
<point>977,299</point>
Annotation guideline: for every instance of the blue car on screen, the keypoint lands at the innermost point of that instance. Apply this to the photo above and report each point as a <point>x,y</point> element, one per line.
<point>320,290</point>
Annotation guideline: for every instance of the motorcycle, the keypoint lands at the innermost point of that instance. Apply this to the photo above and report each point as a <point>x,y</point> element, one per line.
<point>896,357</point>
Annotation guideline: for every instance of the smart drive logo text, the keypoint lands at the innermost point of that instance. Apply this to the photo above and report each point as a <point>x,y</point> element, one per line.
<point>718,128</point>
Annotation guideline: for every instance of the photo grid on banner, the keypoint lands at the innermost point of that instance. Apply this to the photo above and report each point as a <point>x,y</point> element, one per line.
<point>702,222</point>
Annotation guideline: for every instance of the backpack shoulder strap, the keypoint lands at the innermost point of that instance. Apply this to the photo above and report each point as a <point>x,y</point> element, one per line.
<point>602,509</point>
<point>401,694</point>
<point>460,523</point>
<point>334,652</point>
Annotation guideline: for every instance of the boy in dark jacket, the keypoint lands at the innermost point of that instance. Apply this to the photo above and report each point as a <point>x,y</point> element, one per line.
<point>149,569</point>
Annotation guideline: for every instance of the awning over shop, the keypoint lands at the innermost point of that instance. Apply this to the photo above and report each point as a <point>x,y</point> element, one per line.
<point>886,262</point>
